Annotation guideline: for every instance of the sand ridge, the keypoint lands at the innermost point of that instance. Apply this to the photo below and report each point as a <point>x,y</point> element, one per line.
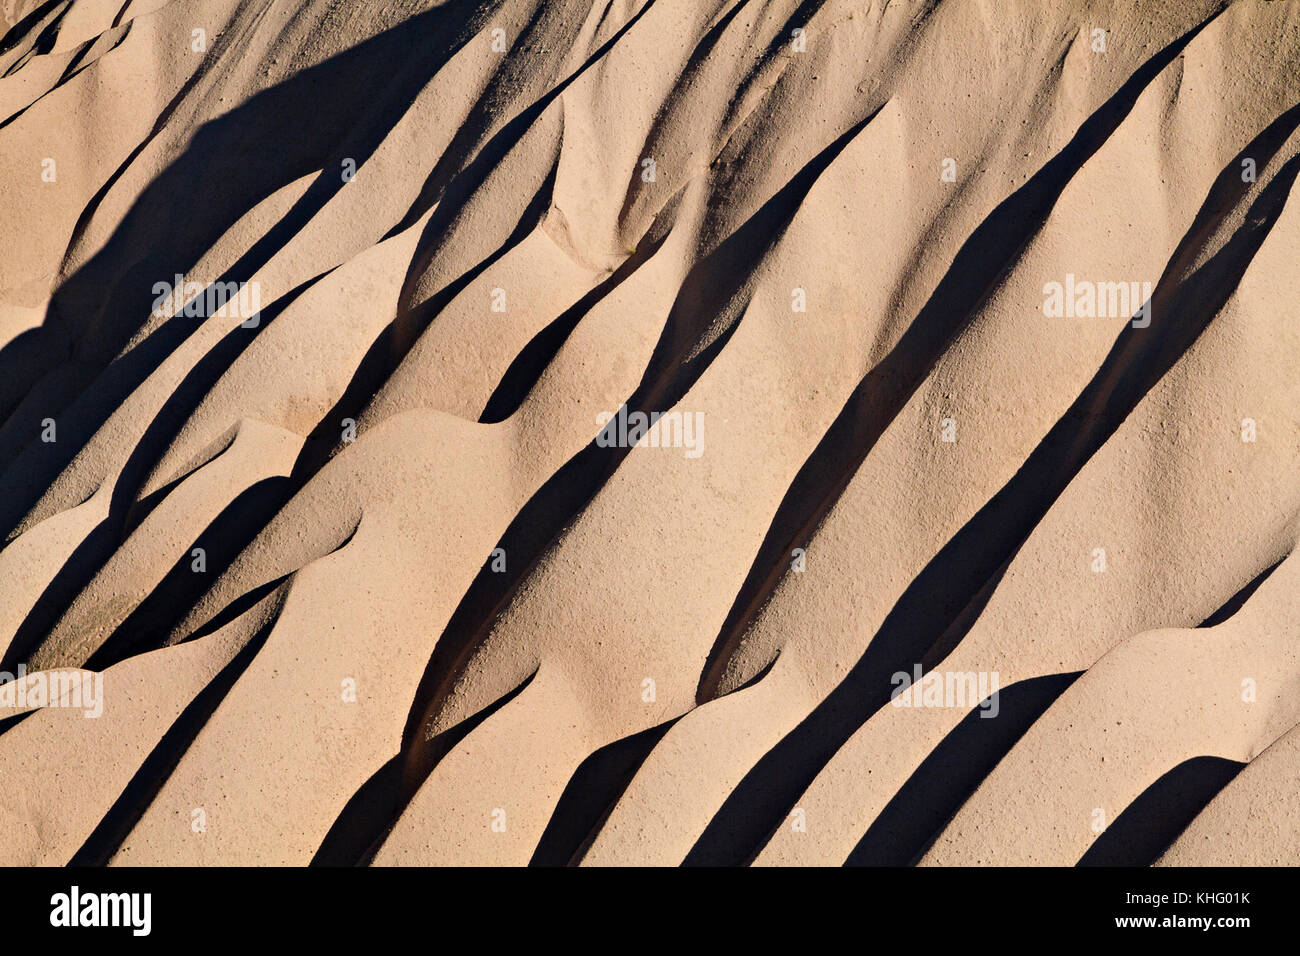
<point>328,333</point>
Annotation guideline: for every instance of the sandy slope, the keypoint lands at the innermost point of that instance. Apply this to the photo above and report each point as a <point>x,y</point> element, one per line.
<point>363,577</point>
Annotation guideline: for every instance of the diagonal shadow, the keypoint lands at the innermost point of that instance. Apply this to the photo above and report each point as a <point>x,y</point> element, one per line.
<point>88,558</point>
<point>342,108</point>
<point>914,818</point>
<point>710,302</point>
<point>130,806</point>
<point>977,269</point>
<point>1160,813</point>
<point>369,816</point>
<point>590,795</point>
<point>1182,306</point>
<point>920,810</point>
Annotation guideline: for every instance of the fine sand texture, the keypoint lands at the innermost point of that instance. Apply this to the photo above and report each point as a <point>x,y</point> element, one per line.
<point>659,432</point>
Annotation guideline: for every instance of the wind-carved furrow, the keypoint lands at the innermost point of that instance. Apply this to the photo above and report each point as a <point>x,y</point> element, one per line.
<point>533,359</point>
<point>594,791</point>
<point>130,806</point>
<point>233,529</point>
<point>397,339</point>
<point>76,63</point>
<point>99,307</point>
<point>662,127</point>
<point>168,605</point>
<point>1238,600</point>
<point>368,817</point>
<point>117,17</point>
<point>1160,813</point>
<point>453,181</point>
<point>902,831</point>
<point>221,542</point>
<point>908,825</point>
<point>884,391</point>
<point>56,10</point>
<point>708,307</point>
<point>591,794</point>
<point>629,171</point>
<point>1182,306</point>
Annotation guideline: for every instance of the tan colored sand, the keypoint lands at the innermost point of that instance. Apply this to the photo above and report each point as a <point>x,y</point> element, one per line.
<point>361,583</point>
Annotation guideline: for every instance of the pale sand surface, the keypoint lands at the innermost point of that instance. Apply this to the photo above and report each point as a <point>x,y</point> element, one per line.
<point>360,580</point>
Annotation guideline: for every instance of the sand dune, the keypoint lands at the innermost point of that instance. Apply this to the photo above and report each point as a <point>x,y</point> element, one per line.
<point>562,432</point>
